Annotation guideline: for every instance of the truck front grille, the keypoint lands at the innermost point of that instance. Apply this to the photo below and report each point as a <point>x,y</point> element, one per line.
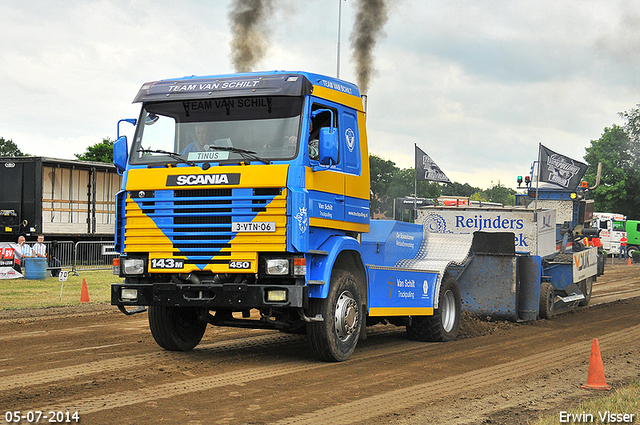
<point>195,224</point>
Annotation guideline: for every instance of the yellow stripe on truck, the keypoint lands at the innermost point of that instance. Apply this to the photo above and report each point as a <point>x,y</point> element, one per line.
<point>255,176</point>
<point>400,311</point>
<point>346,99</point>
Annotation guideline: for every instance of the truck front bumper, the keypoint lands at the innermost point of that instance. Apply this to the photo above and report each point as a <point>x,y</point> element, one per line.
<point>229,295</point>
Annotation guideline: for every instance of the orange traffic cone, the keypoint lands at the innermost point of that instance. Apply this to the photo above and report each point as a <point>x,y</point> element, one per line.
<point>595,378</point>
<point>84,294</point>
<point>628,261</point>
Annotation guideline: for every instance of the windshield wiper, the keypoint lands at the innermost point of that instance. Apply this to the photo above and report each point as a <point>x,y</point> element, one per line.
<point>173,155</point>
<point>242,152</point>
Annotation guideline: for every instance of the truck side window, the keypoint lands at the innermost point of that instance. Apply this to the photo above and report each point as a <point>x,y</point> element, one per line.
<point>321,120</point>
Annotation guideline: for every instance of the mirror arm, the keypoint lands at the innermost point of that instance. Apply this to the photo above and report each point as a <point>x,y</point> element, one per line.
<point>132,121</point>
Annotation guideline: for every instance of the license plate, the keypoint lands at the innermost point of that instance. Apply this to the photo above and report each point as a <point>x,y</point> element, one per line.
<point>249,226</point>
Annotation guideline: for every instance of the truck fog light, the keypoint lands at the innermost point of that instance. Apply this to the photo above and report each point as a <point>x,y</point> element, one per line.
<point>278,266</point>
<point>133,266</point>
<point>275,295</point>
<point>128,294</point>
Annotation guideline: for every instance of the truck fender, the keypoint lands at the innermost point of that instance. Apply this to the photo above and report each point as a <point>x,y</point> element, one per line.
<point>321,265</point>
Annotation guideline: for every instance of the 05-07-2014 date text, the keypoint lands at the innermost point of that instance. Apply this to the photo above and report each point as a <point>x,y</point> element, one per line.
<point>38,416</point>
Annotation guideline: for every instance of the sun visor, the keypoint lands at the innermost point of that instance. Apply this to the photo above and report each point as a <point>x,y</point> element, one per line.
<point>217,87</point>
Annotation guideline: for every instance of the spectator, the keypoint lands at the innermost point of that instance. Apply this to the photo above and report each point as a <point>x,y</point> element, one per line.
<point>54,263</point>
<point>623,246</point>
<point>21,250</point>
<point>27,251</point>
<point>39,248</point>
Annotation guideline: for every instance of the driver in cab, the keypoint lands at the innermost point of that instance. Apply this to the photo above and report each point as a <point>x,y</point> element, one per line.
<point>200,140</point>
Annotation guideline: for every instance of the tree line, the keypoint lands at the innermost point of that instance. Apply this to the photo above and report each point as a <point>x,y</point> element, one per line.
<point>618,149</point>
<point>389,182</point>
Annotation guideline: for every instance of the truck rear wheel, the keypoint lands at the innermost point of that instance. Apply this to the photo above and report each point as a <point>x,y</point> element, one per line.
<point>335,338</point>
<point>445,322</point>
<point>176,328</point>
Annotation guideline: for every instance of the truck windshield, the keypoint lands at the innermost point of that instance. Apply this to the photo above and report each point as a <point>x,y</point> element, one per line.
<point>619,226</point>
<point>266,126</point>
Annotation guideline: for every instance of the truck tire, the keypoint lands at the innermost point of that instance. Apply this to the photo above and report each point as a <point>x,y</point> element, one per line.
<point>586,286</point>
<point>547,298</point>
<point>445,322</point>
<point>335,338</point>
<point>176,328</point>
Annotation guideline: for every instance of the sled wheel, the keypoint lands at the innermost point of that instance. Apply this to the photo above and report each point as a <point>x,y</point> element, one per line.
<point>176,328</point>
<point>335,338</point>
<point>586,286</point>
<point>546,300</point>
<point>445,322</point>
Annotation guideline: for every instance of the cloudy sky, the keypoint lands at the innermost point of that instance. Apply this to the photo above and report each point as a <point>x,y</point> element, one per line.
<point>476,84</point>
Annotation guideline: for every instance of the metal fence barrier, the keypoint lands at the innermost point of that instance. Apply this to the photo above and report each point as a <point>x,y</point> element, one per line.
<point>80,256</point>
<point>93,256</point>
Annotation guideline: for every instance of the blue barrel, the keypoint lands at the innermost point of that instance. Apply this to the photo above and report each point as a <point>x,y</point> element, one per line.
<point>35,268</point>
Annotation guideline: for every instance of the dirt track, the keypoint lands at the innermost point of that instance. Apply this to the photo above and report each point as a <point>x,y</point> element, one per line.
<point>94,360</point>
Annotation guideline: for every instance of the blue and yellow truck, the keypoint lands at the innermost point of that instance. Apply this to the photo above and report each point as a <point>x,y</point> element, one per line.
<point>245,202</point>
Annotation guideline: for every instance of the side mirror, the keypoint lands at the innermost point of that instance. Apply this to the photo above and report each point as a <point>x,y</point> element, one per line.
<point>120,154</point>
<point>328,146</point>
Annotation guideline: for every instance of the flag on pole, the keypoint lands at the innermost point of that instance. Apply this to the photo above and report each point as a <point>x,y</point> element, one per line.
<point>426,169</point>
<point>559,169</point>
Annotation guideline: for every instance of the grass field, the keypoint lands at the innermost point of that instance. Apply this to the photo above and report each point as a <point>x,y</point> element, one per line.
<point>50,292</point>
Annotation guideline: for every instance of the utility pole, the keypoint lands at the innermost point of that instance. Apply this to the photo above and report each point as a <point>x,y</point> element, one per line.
<point>339,31</point>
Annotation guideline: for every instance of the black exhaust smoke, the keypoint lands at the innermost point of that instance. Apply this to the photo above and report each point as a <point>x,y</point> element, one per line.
<point>371,16</point>
<point>248,20</point>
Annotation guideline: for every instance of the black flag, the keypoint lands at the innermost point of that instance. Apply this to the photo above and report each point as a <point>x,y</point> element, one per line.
<point>426,169</point>
<point>559,169</point>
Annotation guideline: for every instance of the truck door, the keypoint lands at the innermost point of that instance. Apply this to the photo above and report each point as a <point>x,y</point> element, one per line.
<point>356,208</point>
<point>326,185</point>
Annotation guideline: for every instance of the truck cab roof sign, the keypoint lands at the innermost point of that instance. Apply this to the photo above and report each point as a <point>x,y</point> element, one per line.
<point>225,86</point>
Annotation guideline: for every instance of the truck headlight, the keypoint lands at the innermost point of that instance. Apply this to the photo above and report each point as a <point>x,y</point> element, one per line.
<point>132,265</point>
<point>278,266</point>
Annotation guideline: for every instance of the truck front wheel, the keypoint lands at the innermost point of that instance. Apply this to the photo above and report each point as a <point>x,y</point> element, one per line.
<point>445,322</point>
<point>335,338</point>
<point>176,328</point>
